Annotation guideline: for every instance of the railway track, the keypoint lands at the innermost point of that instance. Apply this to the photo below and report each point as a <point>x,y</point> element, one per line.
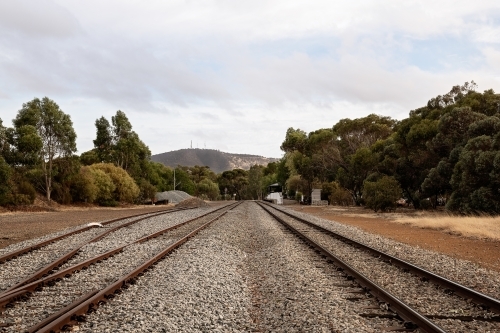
<point>37,259</point>
<point>75,289</point>
<point>393,282</point>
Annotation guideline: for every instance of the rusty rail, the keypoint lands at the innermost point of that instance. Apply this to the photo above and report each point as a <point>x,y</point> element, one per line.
<point>14,254</point>
<point>47,269</point>
<point>8,296</point>
<point>487,302</point>
<point>84,306</point>
<point>396,305</point>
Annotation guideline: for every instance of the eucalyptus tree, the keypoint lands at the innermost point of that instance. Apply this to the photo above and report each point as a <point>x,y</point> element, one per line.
<point>43,133</point>
<point>117,143</point>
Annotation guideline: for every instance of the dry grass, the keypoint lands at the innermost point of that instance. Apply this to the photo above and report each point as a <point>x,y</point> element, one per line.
<point>481,227</point>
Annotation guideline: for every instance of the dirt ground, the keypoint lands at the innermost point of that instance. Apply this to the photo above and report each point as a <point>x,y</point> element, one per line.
<point>484,252</point>
<point>22,225</point>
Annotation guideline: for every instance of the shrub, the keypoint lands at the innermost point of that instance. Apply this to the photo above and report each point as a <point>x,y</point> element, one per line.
<point>147,191</point>
<point>125,188</point>
<point>84,187</point>
<point>208,189</point>
<point>342,197</point>
<point>381,194</point>
<point>105,186</point>
<point>5,177</point>
<point>26,189</point>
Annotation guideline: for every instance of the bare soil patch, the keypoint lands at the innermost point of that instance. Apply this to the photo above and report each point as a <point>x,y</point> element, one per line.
<point>484,252</point>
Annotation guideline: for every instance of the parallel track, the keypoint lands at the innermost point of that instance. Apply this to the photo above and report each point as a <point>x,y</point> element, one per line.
<point>326,242</point>
<point>88,283</point>
<point>53,255</point>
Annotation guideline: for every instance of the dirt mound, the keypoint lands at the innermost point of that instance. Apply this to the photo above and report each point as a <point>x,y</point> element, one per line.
<point>192,203</point>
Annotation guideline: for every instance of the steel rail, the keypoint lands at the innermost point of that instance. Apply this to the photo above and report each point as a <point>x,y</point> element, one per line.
<point>9,297</point>
<point>14,254</point>
<point>47,269</point>
<point>485,301</point>
<point>395,304</point>
<point>84,306</point>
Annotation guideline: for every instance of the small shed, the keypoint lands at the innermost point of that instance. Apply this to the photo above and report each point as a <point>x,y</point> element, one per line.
<point>316,198</point>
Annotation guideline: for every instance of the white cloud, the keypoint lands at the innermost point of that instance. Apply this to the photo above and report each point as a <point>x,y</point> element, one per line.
<point>204,68</point>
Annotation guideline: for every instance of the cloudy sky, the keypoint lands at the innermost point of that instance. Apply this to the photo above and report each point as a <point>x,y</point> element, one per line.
<point>234,75</point>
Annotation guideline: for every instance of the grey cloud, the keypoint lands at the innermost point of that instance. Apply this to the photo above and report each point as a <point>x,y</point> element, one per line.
<point>40,18</point>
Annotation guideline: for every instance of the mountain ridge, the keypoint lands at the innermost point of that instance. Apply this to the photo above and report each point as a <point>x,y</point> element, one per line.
<point>216,160</point>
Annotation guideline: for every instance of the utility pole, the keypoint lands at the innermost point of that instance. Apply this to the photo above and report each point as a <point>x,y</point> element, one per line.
<point>175,184</point>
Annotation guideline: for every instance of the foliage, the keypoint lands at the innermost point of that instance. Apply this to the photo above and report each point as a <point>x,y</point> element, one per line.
<point>147,191</point>
<point>89,157</point>
<point>5,181</point>
<point>381,194</point>
<point>256,188</point>
<point>207,189</point>
<point>235,181</point>
<point>104,185</point>
<point>65,172</point>
<point>183,181</point>
<point>85,188</point>
<point>42,133</point>
<point>124,187</point>
<point>117,143</point>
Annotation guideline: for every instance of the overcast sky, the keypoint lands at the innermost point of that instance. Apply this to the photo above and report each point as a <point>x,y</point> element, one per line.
<point>234,75</point>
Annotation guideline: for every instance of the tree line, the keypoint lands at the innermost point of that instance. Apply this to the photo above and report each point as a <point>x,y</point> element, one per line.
<point>445,153</point>
<point>37,156</point>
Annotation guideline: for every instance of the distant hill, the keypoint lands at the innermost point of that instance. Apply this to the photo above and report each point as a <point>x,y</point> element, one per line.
<point>218,161</point>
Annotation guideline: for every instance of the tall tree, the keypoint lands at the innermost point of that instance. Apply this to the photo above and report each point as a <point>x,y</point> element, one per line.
<point>55,130</point>
<point>104,140</point>
<point>117,143</point>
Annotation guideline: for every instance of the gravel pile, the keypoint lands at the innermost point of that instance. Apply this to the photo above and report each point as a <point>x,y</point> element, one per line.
<point>172,196</point>
<point>192,203</point>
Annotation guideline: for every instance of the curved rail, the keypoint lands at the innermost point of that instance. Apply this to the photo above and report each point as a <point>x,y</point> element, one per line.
<point>55,264</point>
<point>14,254</point>
<point>403,310</point>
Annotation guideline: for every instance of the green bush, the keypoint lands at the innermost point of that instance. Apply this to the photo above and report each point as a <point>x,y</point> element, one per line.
<point>207,189</point>
<point>125,188</point>
<point>105,186</point>
<point>5,178</point>
<point>342,197</point>
<point>381,194</point>
<point>26,189</point>
<point>147,191</point>
<point>84,187</point>
<point>17,199</point>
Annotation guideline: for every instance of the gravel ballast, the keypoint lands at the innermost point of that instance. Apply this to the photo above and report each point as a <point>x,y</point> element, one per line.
<point>247,273</point>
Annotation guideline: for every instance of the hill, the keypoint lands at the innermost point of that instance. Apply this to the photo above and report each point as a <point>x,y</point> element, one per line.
<point>218,161</point>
